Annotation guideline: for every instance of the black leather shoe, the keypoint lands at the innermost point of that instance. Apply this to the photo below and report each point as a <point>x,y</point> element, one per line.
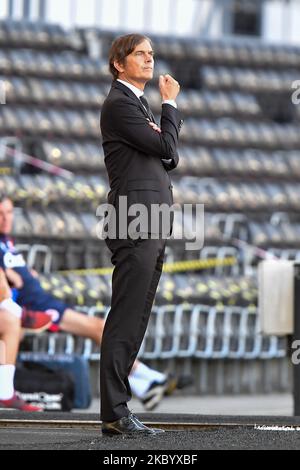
<point>129,425</point>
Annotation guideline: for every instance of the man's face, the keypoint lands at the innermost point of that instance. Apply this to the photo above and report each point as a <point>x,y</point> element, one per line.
<point>138,66</point>
<point>6,216</point>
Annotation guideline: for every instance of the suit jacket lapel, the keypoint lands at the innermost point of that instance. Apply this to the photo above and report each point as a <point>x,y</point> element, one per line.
<point>130,93</point>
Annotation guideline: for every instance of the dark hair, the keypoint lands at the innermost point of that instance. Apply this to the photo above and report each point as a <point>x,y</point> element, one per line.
<point>121,48</point>
<point>4,196</point>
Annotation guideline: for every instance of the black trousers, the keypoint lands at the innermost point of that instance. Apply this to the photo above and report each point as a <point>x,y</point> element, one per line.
<point>138,266</point>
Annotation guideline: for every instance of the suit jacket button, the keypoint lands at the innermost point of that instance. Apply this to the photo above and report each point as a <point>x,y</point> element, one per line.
<point>170,187</point>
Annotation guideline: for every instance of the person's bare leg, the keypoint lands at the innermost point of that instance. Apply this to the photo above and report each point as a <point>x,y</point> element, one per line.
<point>80,324</point>
<point>10,336</point>
<point>10,331</point>
<point>10,325</point>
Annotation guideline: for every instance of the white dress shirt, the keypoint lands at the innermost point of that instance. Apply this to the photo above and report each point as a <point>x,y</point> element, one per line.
<point>140,93</point>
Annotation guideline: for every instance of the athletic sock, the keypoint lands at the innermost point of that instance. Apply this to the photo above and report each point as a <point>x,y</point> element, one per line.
<point>144,372</point>
<point>7,373</point>
<point>138,386</point>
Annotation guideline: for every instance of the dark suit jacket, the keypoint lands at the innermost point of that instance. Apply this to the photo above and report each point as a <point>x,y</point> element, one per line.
<point>134,152</point>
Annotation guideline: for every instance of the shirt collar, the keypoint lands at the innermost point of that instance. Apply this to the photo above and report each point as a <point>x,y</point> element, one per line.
<point>138,93</point>
<point>6,242</point>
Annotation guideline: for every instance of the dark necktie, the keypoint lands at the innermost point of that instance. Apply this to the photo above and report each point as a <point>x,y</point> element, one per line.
<point>145,103</point>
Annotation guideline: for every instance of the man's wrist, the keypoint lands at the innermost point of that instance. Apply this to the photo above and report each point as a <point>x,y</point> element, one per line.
<point>171,102</point>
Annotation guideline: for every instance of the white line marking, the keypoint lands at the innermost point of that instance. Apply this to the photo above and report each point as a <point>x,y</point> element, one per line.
<point>277,428</point>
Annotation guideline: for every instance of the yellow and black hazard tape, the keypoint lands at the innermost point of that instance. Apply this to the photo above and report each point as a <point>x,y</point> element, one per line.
<point>179,266</point>
<point>5,171</point>
<point>192,265</point>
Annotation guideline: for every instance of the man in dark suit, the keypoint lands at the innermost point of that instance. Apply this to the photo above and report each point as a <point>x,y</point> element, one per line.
<point>138,156</point>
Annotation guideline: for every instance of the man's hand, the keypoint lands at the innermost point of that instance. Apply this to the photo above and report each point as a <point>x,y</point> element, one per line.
<point>155,127</point>
<point>34,273</point>
<point>168,87</point>
<point>14,278</point>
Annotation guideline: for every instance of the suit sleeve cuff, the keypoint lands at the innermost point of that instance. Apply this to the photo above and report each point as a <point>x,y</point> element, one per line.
<point>171,102</point>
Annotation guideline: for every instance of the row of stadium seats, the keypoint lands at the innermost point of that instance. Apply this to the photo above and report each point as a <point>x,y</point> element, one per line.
<point>201,161</point>
<point>235,52</point>
<point>216,194</point>
<point>66,224</point>
<point>266,234</point>
<point>241,51</point>
<point>56,224</point>
<point>76,94</point>
<point>73,155</point>
<point>87,156</point>
<point>64,64</point>
<point>245,52</point>
<point>60,254</point>
<point>246,163</point>
<point>36,121</point>
<point>84,123</point>
<point>91,289</point>
<point>54,189</point>
<point>63,224</point>
<point>36,34</point>
<point>230,132</point>
<point>59,92</point>
<point>233,196</point>
<point>247,80</point>
<point>206,103</point>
